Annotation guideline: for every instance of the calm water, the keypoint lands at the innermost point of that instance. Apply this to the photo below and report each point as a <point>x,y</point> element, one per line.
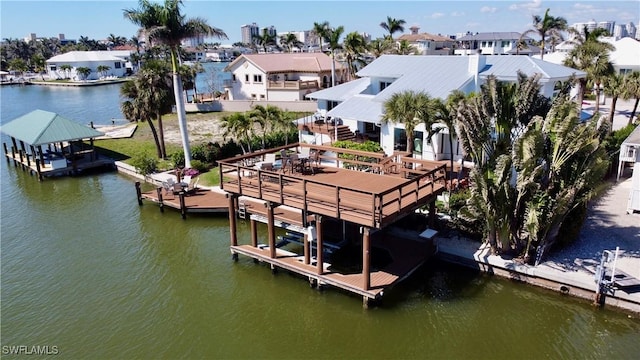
<point>87,270</point>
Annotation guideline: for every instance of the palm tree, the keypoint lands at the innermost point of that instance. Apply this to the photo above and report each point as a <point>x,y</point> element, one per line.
<point>265,40</point>
<point>393,26</point>
<point>445,112</point>
<point>615,86</point>
<point>333,38</point>
<point>321,30</point>
<point>354,47</point>
<point>545,27</point>
<point>166,25</point>
<point>83,72</point>
<point>102,69</point>
<point>66,68</point>
<point>591,57</point>
<point>238,126</point>
<point>265,117</point>
<point>380,46</point>
<point>290,41</point>
<point>633,88</point>
<point>193,72</point>
<point>405,48</point>
<point>405,108</point>
<point>148,97</point>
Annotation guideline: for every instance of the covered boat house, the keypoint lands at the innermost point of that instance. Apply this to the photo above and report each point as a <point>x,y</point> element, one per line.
<point>335,211</point>
<point>48,144</point>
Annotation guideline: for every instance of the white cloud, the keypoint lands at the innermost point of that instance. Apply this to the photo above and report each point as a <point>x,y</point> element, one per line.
<point>437,15</point>
<point>580,6</point>
<point>533,5</point>
<point>458,13</point>
<point>487,9</point>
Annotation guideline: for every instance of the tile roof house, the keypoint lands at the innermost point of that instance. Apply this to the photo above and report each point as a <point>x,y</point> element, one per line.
<point>428,44</point>
<point>359,103</point>
<point>490,43</point>
<point>117,61</point>
<point>280,77</point>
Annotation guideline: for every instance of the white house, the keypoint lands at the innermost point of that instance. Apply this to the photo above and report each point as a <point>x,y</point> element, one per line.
<point>630,152</point>
<point>428,44</point>
<point>359,103</point>
<point>625,58</point>
<point>116,61</point>
<point>279,77</point>
<point>492,43</point>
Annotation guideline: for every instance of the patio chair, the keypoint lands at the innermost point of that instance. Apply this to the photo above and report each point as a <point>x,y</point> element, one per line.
<point>192,186</point>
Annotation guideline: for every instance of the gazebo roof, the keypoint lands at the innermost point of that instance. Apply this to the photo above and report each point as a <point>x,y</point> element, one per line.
<point>41,127</point>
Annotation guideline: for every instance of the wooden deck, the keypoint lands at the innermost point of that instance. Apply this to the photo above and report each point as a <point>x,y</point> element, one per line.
<point>407,256</point>
<point>365,198</point>
<point>83,161</point>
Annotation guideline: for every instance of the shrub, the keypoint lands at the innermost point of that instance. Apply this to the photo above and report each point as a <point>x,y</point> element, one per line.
<point>144,163</point>
<point>197,167</point>
<point>177,159</point>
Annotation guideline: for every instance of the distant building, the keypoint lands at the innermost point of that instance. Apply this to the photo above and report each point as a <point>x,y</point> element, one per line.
<point>493,43</point>
<point>592,25</point>
<point>271,30</point>
<point>428,44</point>
<point>621,31</point>
<point>248,32</point>
<point>193,41</point>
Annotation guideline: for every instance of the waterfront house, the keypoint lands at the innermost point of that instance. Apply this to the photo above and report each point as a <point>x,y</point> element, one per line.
<point>358,104</point>
<point>279,77</point>
<point>428,44</point>
<point>492,43</point>
<point>116,61</point>
<point>630,153</point>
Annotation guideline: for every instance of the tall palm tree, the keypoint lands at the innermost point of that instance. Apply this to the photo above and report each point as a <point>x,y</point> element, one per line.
<point>633,89</point>
<point>405,48</point>
<point>354,47</point>
<point>265,117</point>
<point>148,97</point>
<point>445,112</point>
<point>321,30</point>
<point>615,87</point>
<point>165,24</point>
<point>83,72</point>
<point>546,26</point>
<point>333,38</point>
<point>102,69</point>
<point>66,68</point>
<point>405,108</point>
<point>393,26</point>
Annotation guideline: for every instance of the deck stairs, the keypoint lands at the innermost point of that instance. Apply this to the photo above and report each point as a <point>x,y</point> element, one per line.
<point>344,133</point>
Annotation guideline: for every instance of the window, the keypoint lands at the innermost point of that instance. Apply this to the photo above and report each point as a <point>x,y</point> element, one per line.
<point>246,78</point>
<point>53,67</point>
<point>257,78</point>
<point>118,65</point>
<point>233,78</point>
<point>253,96</point>
<point>384,84</point>
<point>261,96</point>
<point>505,44</point>
<point>399,139</point>
<point>484,44</point>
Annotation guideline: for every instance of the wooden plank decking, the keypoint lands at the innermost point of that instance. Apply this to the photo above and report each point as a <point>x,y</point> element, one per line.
<point>200,201</point>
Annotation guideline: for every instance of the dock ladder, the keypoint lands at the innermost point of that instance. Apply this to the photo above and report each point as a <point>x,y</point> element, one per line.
<point>242,210</point>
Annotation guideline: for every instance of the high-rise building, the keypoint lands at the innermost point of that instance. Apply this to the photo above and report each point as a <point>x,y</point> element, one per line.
<point>632,31</point>
<point>248,32</point>
<point>271,30</point>
<point>592,25</point>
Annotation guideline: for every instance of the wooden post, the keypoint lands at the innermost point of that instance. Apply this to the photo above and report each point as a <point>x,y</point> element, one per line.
<point>138,193</point>
<point>320,261</point>
<point>233,236</point>
<point>366,258</point>
<point>38,172</point>
<point>14,148</point>
<point>183,207</point>
<point>254,233</point>
<point>6,151</point>
<point>160,199</point>
<point>307,248</point>
<point>432,214</point>
<point>41,156</point>
<point>271,230</point>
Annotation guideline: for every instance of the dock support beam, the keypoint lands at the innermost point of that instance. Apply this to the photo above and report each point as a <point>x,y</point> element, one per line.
<point>307,249</point>
<point>232,224</point>
<point>183,206</point>
<point>254,233</point>
<point>160,199</point>
<point>319,250</point>
<point>366,258</point>
<point>139,193</point>
<point>432,214</point>
<point>271,230</point>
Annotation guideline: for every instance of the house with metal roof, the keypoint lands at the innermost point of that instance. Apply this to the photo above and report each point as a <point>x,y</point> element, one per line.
<point>280,76</point>
<point>630,153</point>
<point>116,61</point>
<point>492,43</point>
<point>359,104</point>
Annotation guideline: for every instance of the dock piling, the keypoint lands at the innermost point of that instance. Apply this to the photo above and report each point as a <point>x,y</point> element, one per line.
<point>160,199</point>
<point>138,193</point>
<point>183,207</point>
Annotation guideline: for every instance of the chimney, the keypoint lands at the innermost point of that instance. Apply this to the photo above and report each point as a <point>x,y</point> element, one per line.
<point>477,62</point>
<point>414,30</point>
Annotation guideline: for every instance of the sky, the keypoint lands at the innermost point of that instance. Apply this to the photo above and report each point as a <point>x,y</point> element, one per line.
<point>99,19</point>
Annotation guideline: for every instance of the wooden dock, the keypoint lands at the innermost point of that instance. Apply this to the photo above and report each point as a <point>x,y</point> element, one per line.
<point>199,201</point>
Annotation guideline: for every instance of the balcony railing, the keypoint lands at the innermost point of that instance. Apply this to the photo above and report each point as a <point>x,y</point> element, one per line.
<point>292,84</point>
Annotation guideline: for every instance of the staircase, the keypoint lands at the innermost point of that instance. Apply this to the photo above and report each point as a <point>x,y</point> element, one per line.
<point>344,133</point>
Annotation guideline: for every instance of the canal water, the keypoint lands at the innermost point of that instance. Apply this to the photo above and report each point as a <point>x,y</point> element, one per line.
<point>86,270</point>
